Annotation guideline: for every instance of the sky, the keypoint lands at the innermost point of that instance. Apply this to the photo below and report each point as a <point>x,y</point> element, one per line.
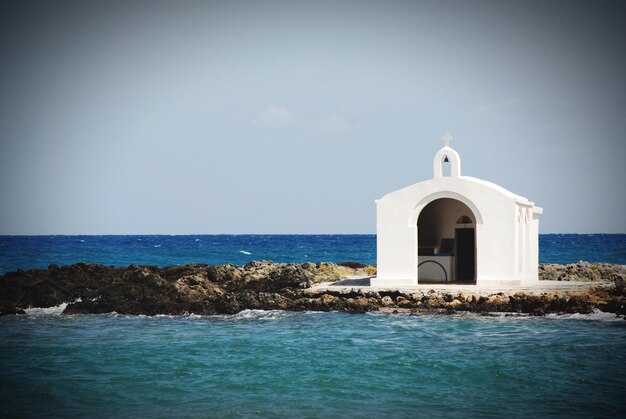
<point>210,117</point>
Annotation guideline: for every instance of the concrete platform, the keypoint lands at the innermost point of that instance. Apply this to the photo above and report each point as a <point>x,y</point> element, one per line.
<point>363,284</point>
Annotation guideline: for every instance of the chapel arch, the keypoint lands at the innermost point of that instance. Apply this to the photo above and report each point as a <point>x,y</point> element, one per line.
<point>446,167</point>
<point>446,242</point>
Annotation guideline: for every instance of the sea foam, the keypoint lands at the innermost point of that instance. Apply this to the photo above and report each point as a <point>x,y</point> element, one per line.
<point>49,311</point>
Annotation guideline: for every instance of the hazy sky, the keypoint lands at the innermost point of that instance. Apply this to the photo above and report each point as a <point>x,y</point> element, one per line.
<point>293,117</point>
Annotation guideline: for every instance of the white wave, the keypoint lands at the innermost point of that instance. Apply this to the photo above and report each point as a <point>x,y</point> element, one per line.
<point>197,240</point>
<point>244,252</point>
<point>123,316</point>
<point>49,311</point>
<point>82,241</point>
<point>46,311</point>
<point>597,315</point>
<point>242,315</point>
<point>245,315</point>
<point>260,315</point>
<point>248,314</point>
<point>157,245</point>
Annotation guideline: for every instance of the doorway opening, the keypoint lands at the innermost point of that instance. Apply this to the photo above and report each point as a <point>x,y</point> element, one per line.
<point>446,243</point>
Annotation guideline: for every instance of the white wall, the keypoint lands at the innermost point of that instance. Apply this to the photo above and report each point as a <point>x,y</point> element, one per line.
<point>493,210</point>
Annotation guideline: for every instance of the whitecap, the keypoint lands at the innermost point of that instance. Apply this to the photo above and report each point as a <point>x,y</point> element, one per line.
<point>596,314</point>
<point>157,245</point>
<point>197,240</point>
<point>46,311</point>
<point>253,315</point>
<point>244,252</point>
<point>49,311</point>
<point>260,315</point>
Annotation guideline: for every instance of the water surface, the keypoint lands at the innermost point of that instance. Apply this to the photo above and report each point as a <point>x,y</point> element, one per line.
<point>280,364</point>
<point>29,252</point>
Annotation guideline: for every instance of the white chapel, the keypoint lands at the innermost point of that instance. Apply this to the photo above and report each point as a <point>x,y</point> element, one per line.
<point>456,229</point>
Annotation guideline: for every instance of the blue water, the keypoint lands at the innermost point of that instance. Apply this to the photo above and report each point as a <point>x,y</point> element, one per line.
<point>280,364</point>
<point>28,252</point>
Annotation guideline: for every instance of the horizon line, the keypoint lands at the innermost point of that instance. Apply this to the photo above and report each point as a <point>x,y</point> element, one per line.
<point>249,234</point>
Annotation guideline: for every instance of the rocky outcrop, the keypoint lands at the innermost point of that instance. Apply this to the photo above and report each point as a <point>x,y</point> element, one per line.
<point>227,289</point>
<point>582,271</point>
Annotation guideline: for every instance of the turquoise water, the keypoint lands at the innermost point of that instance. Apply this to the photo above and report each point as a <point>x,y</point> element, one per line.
<point>279,364</point>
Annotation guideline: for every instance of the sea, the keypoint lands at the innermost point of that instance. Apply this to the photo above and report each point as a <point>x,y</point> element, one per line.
<point>279,364</point>
<point>38,252</point>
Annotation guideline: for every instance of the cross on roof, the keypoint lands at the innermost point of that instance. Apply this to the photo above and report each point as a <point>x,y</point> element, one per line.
<point>446,137</point>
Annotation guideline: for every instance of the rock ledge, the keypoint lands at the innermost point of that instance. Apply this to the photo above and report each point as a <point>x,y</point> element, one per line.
<point>228,289</point>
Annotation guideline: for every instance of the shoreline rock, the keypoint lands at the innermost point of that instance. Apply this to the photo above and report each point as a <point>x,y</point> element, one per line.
<point>228,289</point>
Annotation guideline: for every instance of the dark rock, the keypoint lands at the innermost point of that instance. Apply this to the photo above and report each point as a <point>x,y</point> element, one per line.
<point>227,289</point>
<point>353,265</point>
<point>10,311</point>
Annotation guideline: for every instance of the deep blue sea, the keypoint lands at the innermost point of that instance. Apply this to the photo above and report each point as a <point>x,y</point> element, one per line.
<point>282,365</point>
<point>29,252</point>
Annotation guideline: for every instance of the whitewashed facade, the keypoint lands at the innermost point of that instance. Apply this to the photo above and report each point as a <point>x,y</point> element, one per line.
<point>456,229</point>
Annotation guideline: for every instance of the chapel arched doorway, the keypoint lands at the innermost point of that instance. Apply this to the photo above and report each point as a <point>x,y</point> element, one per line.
<point>446,243</point>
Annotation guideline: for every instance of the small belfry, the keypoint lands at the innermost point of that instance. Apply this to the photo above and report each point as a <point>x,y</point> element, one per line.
<point>455,229</point>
